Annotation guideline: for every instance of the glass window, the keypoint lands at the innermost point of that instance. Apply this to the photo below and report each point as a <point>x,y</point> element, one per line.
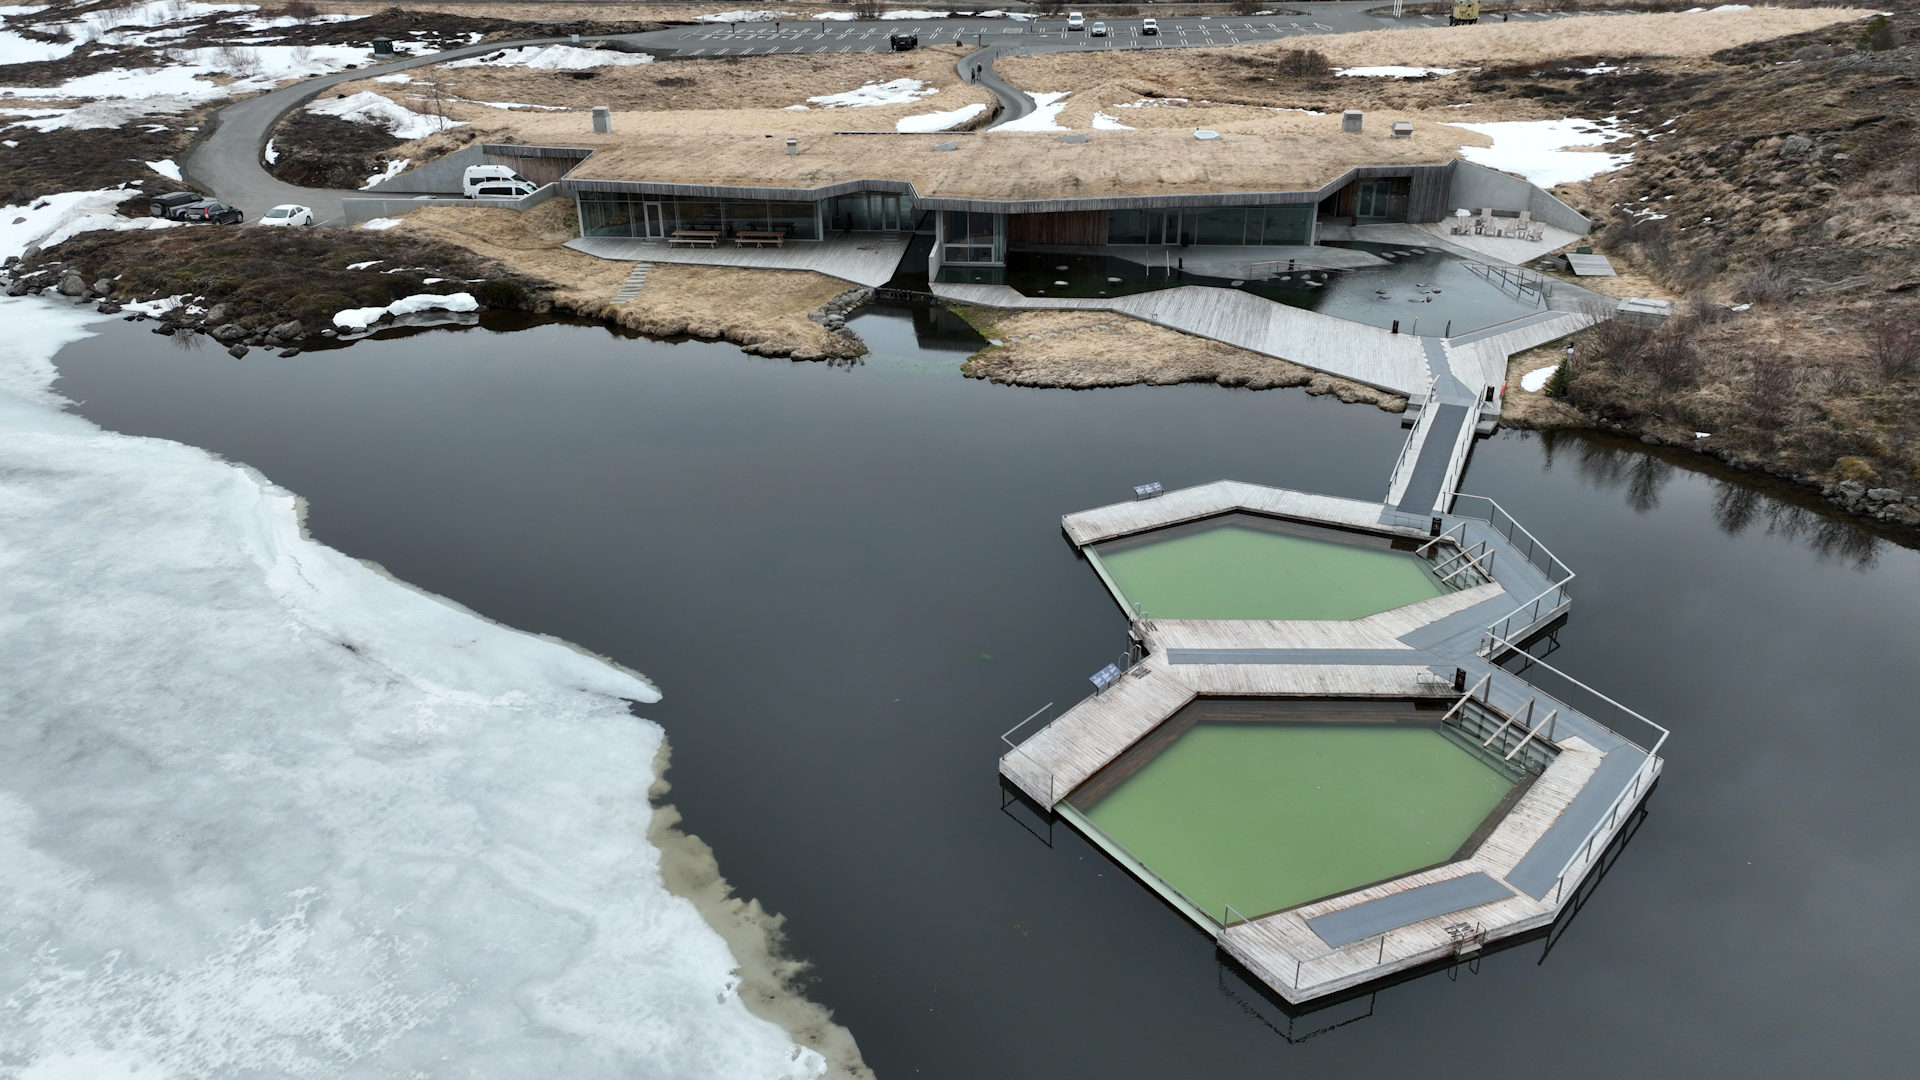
<point>1127,227</point>
<point>1287,224</point>
<point>605,214</point>
<point>1221,225</point>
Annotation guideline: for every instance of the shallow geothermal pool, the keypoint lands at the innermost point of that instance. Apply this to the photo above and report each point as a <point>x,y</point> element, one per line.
<point>847,581</point>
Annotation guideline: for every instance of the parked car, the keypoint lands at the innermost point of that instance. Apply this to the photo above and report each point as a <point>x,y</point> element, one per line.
<point>494,180</point>
<point>1099,29</point>
<point>164,205</point>
<point>1150,26</point>
<point>210,211</point>
<point>288,214</point>
<point>903,40</point>
<point>1076,21</point>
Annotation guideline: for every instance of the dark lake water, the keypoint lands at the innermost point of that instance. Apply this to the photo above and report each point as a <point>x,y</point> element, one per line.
<point>849,580</point>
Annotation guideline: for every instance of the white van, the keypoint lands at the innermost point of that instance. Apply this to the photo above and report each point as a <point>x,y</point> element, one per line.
<point>483,180</point>
<point>1076,21</point>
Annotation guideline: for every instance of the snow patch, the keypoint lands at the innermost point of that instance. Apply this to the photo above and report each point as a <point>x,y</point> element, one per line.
<point>380,223</point>
<point>747,16</point>
<point>15,49</point>
<point>166,167</point>
<point>1537,149</point>
<point>367,107</point>
<point>939,121</point>
<point>392,170</point>
<point>1047,106</point>
<point>1536,380</point>
<point>555,58</point>
<point>1107,122</point>
<point>897,92</point>
<point>270,154</point>
<point>55,218</point>
<point>361,318</point>
<point>1391,71</point>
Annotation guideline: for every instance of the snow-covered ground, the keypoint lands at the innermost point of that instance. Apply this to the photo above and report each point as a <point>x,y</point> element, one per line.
<point>1108,122</point>
<point>53,219</point>
<point>743,16</point>
<point>1047,106</point>
<point>265,811</point>
<point>112,98</point>
<point>896,92</point>
<point>16,49</point>
<point>554,58</point>
<point>166,167</point>
<point>367,107</point>
<point>1538,149</point>
<point>939,121</point>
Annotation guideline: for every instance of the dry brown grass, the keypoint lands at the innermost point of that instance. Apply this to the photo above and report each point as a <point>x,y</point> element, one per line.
<point>1085,349</point>
<point>1486,44</point>
<point>765,311</point>
<point>762,310</point>
<point>530,242</point>
<point>764,82</point>
<point>1261,151</point>
<point>1519,408</point>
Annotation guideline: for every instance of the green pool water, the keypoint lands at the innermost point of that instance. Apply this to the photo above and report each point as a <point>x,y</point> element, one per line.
<point>1265,816</point>
<point>1230,569</point>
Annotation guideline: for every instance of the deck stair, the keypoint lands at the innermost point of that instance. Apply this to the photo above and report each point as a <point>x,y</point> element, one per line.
<point>635,280</point>
<point>1514,743</point>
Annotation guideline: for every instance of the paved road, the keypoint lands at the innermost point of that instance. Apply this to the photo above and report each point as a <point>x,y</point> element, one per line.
<point>228,160</point>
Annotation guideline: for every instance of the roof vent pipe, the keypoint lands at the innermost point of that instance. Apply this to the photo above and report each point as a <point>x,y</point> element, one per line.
<point>602,119</point>
<point>793,147</point>
<point>1350,121</point>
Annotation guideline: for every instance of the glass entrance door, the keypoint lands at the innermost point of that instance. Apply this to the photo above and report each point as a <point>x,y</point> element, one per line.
<point>1372,199</point>
<point>652,221</point>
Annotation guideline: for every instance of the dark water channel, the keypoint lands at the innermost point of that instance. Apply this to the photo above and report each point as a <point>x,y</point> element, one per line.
<point>848,581</point>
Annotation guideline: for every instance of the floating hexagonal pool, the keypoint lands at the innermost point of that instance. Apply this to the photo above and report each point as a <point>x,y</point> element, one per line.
<point>1267,804</point>
<point>1251,566</point>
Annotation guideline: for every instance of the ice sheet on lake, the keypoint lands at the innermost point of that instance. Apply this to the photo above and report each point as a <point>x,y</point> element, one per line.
<point>265,811</point>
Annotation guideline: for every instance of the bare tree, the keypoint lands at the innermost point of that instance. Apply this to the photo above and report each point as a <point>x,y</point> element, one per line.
<point>1893,344</point>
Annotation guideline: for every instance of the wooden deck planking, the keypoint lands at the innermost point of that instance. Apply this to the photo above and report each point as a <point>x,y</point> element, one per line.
<point>1552,792</point>
<point>1312,680</point>
<point>1340,347</point>
<point>864,259</point>
<point>1086,737</point>
<point>1222,497</point>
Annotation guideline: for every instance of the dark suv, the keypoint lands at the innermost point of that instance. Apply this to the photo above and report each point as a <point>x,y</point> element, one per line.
<point>209,210</point>
<point>165,205</point>
<point>903,40</point>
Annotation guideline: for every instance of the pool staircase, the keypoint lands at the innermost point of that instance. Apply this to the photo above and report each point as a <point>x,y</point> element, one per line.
<point>631,288</point>
<point>1514,744</point>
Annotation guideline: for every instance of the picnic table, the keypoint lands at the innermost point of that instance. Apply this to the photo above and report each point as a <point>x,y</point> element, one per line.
<point>760,237</point>
<point>695,237</point>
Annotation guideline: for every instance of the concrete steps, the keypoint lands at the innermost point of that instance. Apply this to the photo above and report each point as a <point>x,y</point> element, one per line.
<point>635,280</point>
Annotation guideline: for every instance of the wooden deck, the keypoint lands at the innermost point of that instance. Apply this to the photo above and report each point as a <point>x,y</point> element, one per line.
<point>1550,837</point>
<point>868,259</point>
<point>1220,497</point>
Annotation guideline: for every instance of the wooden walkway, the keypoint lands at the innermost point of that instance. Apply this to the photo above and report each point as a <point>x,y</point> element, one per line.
<point>1521,874</point>
<point>868,259</point>
<point>1219,497</point>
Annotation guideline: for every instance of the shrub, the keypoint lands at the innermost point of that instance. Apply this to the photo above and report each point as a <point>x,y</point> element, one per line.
<point>1559,382</point>
<point>1877,35</point>
<point>1893,344</point>
<point>504,294</point>
<point>1303,64</point>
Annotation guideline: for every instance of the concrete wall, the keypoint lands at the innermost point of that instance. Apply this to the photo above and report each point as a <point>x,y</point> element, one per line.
<point>366,209</point>
<point>540,164</point>
<point>440,176</point>
<point>1475,186</point>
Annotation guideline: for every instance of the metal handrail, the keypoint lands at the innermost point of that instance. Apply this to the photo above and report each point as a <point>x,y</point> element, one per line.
<point>1013,747</point>
<point>1421,423</point>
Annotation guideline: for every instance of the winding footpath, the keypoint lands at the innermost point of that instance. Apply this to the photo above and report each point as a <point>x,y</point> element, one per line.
<point>228,160</point>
